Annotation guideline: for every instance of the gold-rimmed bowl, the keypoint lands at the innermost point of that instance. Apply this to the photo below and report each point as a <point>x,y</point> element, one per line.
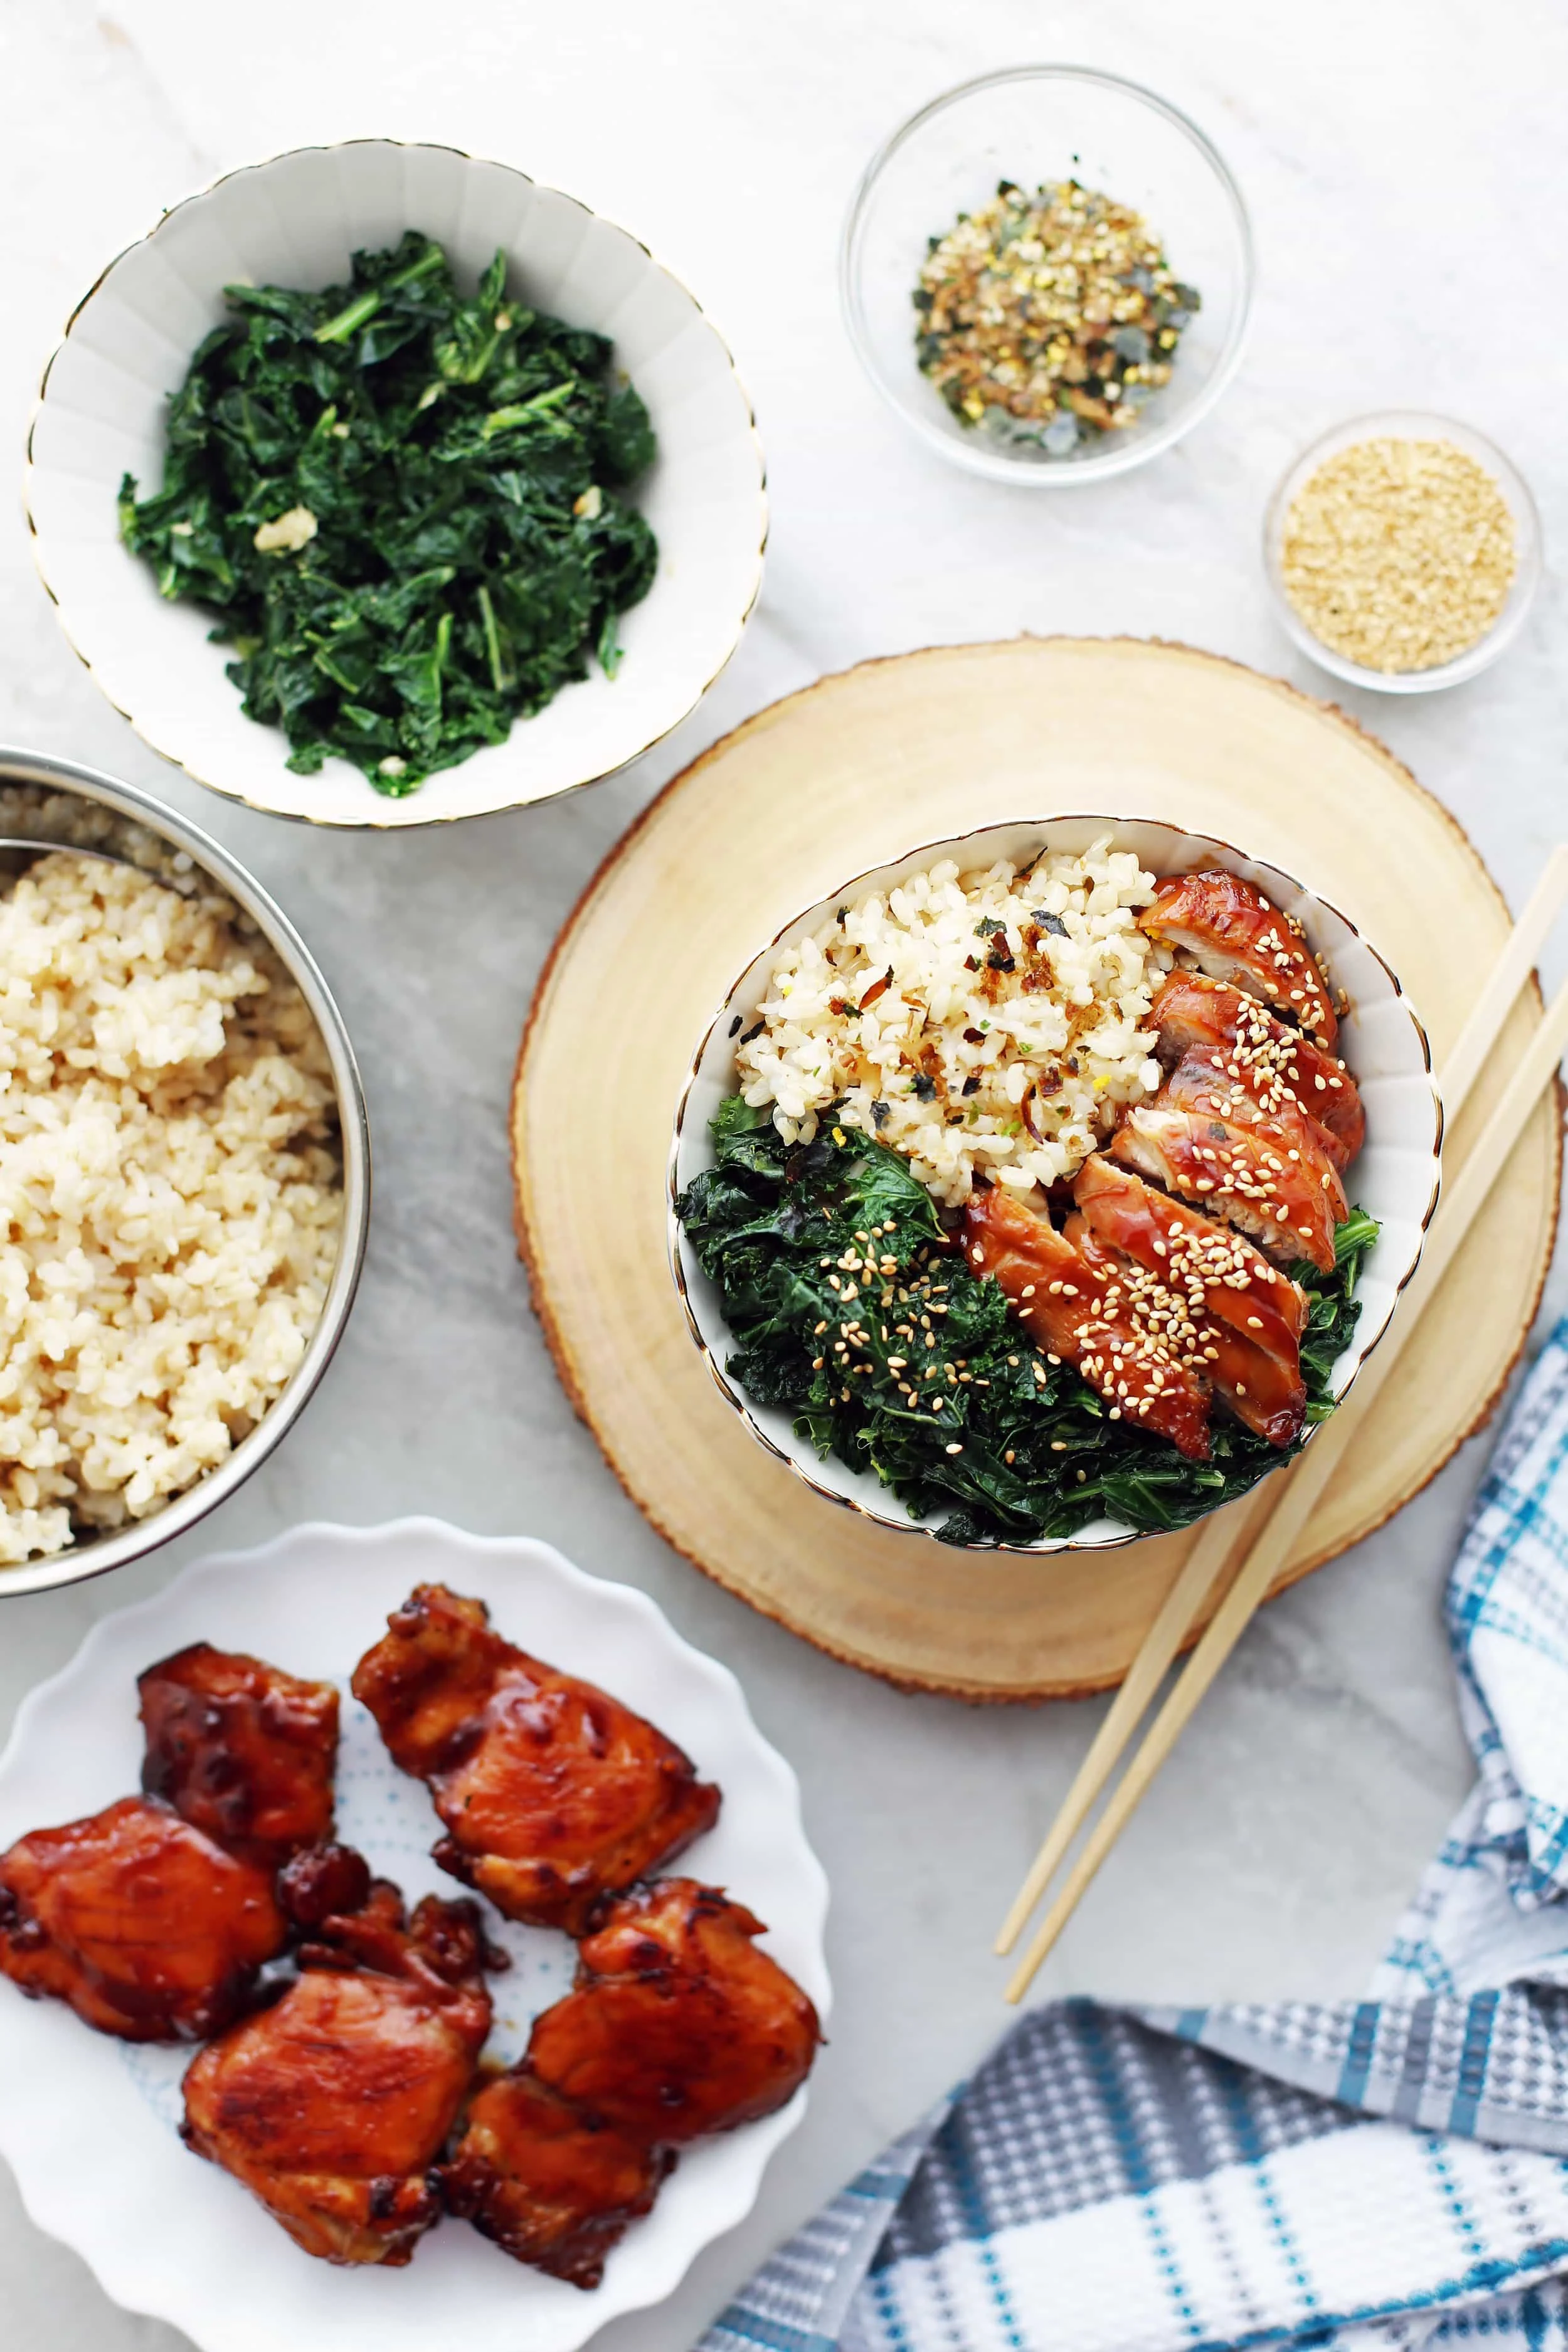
<point>296,221</point>
<point>1396,1178</point>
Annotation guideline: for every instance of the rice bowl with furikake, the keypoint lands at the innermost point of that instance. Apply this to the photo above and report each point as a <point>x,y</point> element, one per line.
<point>1028,1198</point>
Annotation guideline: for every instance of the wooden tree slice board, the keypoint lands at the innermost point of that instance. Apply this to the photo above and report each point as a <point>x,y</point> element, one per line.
<point>860,769</point>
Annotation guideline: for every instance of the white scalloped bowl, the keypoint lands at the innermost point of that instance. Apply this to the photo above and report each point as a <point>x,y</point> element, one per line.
<point>167,2234</point>
<point>1396,1177</point>
<point>295,221</point>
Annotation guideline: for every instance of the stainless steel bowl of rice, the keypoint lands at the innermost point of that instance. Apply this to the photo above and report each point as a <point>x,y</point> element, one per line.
<point>184,1163</point>
<point>986,1009</point>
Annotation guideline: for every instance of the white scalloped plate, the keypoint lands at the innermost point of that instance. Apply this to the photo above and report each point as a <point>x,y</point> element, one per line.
<point>88,2124</point>
<point>295,221</point>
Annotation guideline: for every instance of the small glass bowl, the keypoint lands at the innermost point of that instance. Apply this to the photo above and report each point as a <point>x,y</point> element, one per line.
<point>1029,124</point>
<point>1409,424</point>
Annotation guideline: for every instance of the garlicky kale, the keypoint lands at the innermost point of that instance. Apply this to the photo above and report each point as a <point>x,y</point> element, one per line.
<point>773,1226</point>
<point>403,506</point>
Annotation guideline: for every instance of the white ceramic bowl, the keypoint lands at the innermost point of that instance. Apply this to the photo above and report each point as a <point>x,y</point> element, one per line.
<point>88,2123</point>
<point>1028,124</point>
<point>1408,424</point>
<point>1396,1177</point>
<point>295,221</point>
<point>79,803</point>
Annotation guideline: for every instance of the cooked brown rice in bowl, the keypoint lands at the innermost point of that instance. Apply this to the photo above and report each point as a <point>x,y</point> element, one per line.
<point>185,1169</point>
<point>172,1177</point>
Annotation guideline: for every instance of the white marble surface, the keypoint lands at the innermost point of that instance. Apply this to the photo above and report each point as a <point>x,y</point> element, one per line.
<point>1404,165</point>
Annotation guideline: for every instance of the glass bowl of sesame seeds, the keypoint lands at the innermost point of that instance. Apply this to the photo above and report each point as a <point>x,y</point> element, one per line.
<point>1047,273</point>
<point>1404,551</point>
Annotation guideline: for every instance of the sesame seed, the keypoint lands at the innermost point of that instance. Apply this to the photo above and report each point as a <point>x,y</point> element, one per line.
<point>1368,555</point>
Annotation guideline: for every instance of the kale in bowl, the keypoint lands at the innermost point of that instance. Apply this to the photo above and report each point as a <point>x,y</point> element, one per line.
<point>405,509</point>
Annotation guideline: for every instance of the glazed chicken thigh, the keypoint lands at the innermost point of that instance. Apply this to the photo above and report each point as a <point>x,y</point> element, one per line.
<point>138,1921</point>
<point>242,1750</point>
<point>552,1793</point>
<point>676,2025</point>
<point>1215,1268</point>
<point>332,2105</point>
<point>550,2184</point>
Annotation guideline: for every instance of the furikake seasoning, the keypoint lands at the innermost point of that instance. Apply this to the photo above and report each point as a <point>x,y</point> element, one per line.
<point>405,507</point>
<point>1047,320</point>
<point>837,1272</point>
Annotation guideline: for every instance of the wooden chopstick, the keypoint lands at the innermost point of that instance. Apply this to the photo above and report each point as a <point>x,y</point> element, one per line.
<point>1205,1562</point>
<point>1299,1489</point>
<point>1508,976</point>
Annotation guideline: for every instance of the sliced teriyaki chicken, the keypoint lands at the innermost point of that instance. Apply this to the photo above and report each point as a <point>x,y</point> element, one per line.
<point>1264,1393</point>
<point>1269,1061</point>
<point>1134,1350</point>
<point>1239,1173</point>
<point>1202,1082</point>
<point>1196,1084</point>
<point>1235,934</point>
<point>1218,1273</point>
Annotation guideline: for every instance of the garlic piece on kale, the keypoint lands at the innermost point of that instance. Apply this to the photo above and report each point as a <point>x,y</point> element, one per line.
<point>287,533</point>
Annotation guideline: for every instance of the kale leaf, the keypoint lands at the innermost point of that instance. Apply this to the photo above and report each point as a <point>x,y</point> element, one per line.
<point>794,1233</point>
<point>434,484</point>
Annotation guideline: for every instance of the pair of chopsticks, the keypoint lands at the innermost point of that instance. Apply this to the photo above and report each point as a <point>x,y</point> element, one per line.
<point>1265,1525</point>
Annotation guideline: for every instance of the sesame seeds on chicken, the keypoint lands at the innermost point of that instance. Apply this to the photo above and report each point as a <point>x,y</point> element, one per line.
<point>1273,1063</point>
<point>1233,933</point>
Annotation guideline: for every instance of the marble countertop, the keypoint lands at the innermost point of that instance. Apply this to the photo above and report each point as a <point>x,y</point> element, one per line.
<point>1407,178</point>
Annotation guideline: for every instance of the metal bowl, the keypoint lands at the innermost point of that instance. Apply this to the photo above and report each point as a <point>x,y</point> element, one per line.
<point>117,819</point>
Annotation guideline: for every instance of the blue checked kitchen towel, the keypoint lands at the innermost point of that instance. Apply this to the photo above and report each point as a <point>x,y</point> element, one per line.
<point>1371,2176</point>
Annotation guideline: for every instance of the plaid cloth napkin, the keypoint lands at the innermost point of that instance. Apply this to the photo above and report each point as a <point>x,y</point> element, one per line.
<point>1370,2176</point>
